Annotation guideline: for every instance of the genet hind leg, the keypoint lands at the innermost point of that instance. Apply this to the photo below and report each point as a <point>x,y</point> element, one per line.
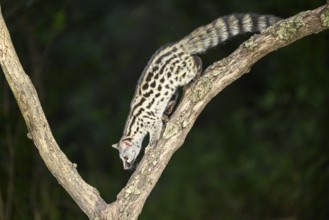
<point>197,69</point>
<point>170,107</point>
<point>198,66</point>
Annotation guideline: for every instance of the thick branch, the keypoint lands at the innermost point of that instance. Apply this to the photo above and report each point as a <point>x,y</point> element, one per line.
<point>131,199</point>
<point>214,79</point>
<point>26,96</point>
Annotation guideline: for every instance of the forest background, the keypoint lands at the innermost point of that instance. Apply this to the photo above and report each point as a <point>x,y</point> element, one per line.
<point>258,151</point>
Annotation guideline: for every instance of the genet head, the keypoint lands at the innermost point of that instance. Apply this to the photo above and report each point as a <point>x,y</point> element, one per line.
<point>128,152</point>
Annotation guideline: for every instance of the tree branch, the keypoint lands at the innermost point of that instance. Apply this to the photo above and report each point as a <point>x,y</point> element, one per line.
<point>132,197</point>
<point>26,96</point>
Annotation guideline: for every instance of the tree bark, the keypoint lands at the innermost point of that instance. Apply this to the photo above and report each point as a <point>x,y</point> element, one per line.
<point>214,79</point>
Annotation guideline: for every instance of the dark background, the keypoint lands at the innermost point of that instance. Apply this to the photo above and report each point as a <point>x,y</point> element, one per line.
<point>258,151</point>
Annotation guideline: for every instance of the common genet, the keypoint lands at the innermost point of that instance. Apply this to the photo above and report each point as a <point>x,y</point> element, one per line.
<point>170,67</point>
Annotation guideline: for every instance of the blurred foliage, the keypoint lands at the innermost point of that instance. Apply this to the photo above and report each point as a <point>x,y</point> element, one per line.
<point>258,151</point>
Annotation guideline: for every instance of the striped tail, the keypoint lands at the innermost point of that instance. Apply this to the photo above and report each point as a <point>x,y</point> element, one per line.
<point>223,28</point>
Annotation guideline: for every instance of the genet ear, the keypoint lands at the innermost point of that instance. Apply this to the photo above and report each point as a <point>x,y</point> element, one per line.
<point>126,142</point>
<point>116,146</point>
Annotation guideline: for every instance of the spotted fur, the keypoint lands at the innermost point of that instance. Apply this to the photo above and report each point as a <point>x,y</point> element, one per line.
<point>173,66</point>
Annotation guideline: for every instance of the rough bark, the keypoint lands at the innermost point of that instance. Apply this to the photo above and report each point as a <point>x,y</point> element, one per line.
<point>214,79</point>
<point>26,96</point>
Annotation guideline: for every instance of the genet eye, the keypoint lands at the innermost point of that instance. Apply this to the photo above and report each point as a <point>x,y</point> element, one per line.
<point>125,158</point>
